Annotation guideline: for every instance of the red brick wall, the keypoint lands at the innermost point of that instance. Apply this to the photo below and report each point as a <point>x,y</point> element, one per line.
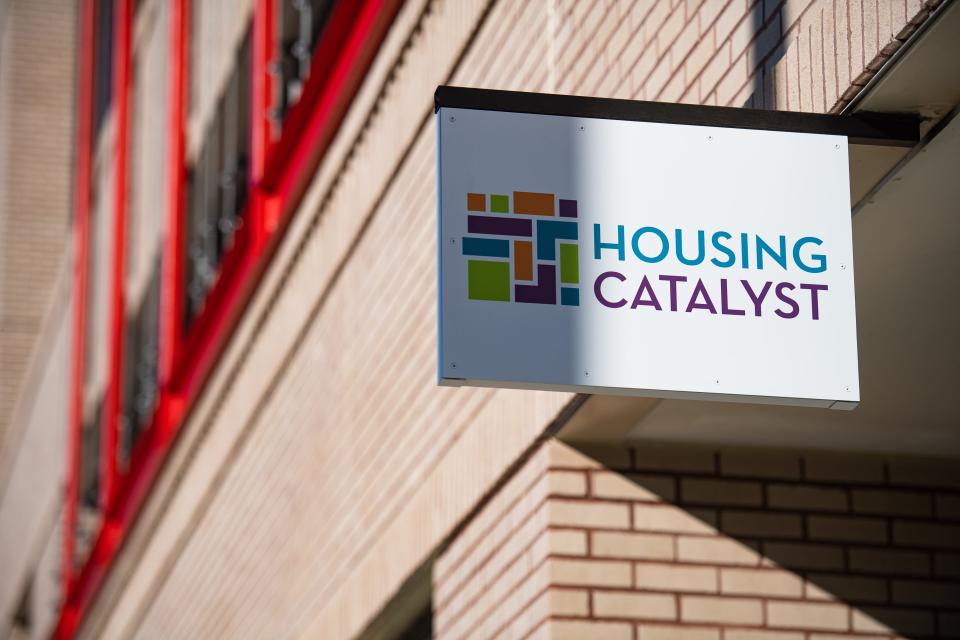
<point>683,542</point>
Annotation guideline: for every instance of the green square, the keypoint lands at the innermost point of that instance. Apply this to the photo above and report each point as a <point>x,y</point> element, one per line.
<point>488,280</point>
<point>569,264</point>
<point>499,204</point>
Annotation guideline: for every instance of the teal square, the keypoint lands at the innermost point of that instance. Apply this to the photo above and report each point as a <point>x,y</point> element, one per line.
<point>499,204</point>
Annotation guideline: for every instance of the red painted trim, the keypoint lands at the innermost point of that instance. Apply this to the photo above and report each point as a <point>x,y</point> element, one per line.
<point>263,87</point>
<point>81,241</point>
<point>121,106</point>
<point>336,33</point>
<point>344,57</point>
<point>280,173</point>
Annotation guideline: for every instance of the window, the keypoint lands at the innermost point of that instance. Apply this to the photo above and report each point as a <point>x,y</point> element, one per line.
<point>23,617</point>
<point>88,498</point>
<point>90,460</point>
<point>217,185</point>
<point>141,355</point>
<point>300,24</point>
<point>421,628</point>
<point>102,63</point>
<point>409,613</point>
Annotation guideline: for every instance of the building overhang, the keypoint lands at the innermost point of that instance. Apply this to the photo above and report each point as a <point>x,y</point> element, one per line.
<point>906,231</point>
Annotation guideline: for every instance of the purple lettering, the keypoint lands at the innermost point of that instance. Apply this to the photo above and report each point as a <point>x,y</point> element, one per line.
<point>724,301</point>
<point>707,304</point>
<point>795,308</point>
<point>814,290</point>
<point>757,299</point>
<point>599,281</point>
<point>673,280</point>
<point>638,299</point>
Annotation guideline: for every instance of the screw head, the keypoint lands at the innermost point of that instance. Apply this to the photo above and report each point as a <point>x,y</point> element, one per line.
<point>836,146</point>
<point>453,365</point>
<point>586,373</point>
<point>709,138</point>
<point>581,127</point>
<point>453,241</point>
<point>452,119</point>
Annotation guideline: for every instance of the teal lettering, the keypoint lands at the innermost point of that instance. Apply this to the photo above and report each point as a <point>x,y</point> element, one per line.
<point>700,249</point>
<point>731,256</point>
<point>618,245</point>
<point>664,244</point>
<point>819,259</point>
<point>780,258</point>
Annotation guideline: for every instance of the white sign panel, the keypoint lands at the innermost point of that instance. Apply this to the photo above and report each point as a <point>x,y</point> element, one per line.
<point>610,256</point>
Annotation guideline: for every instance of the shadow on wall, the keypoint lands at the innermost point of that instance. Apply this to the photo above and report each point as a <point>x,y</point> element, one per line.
<point>806,542</point>
<point>762,58</point>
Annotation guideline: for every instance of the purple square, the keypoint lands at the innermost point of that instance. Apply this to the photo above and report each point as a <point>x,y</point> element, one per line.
<point>568,208</point>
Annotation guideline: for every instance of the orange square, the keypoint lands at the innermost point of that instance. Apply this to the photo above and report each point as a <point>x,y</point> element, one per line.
<point>535,204</point>
<point>522,260</point>
<point>476,202</point>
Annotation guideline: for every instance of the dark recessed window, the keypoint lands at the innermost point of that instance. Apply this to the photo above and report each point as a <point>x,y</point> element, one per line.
<point>102,63</point>
<point>24,617</point>
<point>141,357</point>
<point>88,499</point>
<point>217,185</point>
<point>90,460</point>
<point>300,25</point>
<point>421,628</point>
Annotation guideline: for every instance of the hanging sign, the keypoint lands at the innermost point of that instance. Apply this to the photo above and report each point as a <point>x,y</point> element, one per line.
<point>603,255</point>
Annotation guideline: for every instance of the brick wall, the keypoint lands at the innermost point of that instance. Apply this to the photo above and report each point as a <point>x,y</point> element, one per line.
<point>217,28</point>
<point>36,129</point>
<point>147,180</point>
<point>32,476</point>
<point>306,485</point>
<point>796,55</point>
<point>683,542</point>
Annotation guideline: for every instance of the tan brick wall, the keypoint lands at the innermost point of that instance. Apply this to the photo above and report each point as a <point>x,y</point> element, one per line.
<point>217,28</point>
<point>323,465</point>
<point>650,549</point>
<point>796,55</point>
<point>36,130</point>
<point>46,588</point>
<point>99,272</point>
<point>148,150</point>
<point>32,477</point>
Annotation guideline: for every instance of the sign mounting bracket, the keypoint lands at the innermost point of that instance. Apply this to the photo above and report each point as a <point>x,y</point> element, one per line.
<point>862,128</point>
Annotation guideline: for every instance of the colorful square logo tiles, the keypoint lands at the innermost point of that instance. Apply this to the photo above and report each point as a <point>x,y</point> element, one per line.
<point>525,253</point>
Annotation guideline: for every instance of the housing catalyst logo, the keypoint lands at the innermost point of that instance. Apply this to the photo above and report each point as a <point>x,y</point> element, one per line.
<point>522,253</point>
<point>529,252</point>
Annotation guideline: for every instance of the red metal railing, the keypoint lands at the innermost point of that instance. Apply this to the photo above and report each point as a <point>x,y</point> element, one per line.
<point>81,240</point>
<point>114,391</point>
<point>280,171</point>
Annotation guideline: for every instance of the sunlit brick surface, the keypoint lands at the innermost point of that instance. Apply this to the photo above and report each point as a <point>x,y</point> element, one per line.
<point>322,466</point>
<point>36,107</point>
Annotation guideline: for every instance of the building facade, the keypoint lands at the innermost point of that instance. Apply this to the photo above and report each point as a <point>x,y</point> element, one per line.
<point>231,424</point>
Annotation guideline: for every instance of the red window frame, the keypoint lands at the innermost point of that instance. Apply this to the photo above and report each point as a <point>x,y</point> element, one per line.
<point>281,169</point>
